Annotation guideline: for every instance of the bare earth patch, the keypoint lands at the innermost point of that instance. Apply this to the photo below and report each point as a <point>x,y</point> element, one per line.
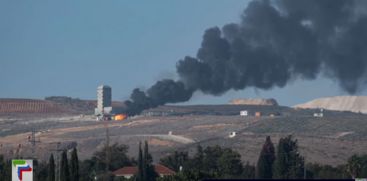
<point>211,126</point>
<point>159,142</point>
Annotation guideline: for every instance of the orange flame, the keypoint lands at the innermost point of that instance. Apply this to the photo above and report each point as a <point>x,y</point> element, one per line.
<point>120,117</point>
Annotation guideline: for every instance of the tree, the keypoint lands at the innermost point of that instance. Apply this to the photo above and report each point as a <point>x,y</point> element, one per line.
<point>87,170</point>
<point>186,175</point>
<point>248,171</point>
<point>40,170</point>
<point>118,155</point>
<point>176,160</point>
<point>316,171</point>
<point>140,176</point>
<point>357,166</point>
<point>64,168</point>
<point>148,167</point>
<point>146,170</point>
<point>51,168</point>
<point>211,156</point>
<point>229,164</point>
<point>145,162</point>
<point>198,158</point>
<point>264,167</point>
<point>74,166</point>
<point>289,164</point>
<point>5,168</point>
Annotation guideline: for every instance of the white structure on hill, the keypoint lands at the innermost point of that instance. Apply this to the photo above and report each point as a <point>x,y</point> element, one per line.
<point>244,113</point>
<point>232,134</point>
<point>319,114</point>
<point>104,100</point>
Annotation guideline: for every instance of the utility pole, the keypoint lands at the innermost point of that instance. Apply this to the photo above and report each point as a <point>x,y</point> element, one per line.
<point>33,141</point>
<point>304,168</point>
<point>107,161</point>
<point>107,148</point>
<point>18,150</point>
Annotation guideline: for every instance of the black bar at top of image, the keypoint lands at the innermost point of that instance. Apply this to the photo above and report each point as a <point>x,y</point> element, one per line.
<point>279,179</point>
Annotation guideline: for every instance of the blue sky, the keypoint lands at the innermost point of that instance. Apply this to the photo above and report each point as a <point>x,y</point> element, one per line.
<point>69,47</point>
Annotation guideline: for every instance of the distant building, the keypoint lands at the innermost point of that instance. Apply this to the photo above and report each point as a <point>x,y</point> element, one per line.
<point>244,113</point>
<point>319,114</point>
<point>274,114</point>
<point>257,114</point>
<point>232,134</point>
<point>104,100</point>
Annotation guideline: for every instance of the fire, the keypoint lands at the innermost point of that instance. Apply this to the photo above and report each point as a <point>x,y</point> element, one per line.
<point>120,117</point>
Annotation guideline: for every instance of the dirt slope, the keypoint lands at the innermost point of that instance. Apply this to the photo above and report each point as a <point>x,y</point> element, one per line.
<point>338,103</point>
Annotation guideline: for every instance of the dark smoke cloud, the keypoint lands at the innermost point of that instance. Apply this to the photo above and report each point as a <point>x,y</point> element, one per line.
<point>274,43</point>
<point>162,92</point>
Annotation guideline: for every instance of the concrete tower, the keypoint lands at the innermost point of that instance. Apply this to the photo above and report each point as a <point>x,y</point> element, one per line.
<point>104,99</point>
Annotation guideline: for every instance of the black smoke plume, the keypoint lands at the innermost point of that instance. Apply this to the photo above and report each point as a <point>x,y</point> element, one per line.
<point>274,43</point>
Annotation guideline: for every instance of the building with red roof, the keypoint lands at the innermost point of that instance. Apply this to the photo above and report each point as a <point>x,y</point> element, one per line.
<point>128,172</point>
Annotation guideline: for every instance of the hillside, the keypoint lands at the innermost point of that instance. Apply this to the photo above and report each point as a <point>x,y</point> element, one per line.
<point>328,140</point>
<point>357,104</point>
<point>216,110</point>
<point>50,105</point>
<point>263,102</point>
<point>29,106</point>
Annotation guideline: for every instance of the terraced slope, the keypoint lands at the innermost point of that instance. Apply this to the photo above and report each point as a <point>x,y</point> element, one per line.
<point>51,105</point>
<point>29,106</point>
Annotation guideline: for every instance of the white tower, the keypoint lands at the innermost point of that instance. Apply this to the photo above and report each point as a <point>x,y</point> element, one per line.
<point>104,97</point>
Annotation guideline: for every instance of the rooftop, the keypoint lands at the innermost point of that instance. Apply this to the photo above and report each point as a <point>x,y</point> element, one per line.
<point>132,170</point>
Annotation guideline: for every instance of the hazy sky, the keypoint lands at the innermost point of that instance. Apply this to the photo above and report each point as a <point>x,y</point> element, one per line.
<point>69,47</point>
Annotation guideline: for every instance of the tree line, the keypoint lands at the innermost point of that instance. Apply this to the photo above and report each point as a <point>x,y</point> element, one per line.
<point>282,162</point>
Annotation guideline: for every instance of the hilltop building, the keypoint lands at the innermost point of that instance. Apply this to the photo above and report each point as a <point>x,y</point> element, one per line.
<point>104,100</point>
<point>244,113</point>
<point>319,114</point>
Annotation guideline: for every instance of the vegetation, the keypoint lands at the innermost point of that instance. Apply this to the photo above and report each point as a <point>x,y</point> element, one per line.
<point>357,166</point>
<point>5,168</point>
<point>289,164</point>
<point>74,166</point>
<point>211,162</point>
<point>316,171</point>
<point>51,169</point>
<point>64,167</point>
<point>95,167</point>
<point>264,166</point>
<point>146,170</point>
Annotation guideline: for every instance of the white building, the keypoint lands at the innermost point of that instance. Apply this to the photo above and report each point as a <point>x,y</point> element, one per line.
<point>104,100</point>
<point>319,114</point>
<point>244,113</point>
<point>232,134</point>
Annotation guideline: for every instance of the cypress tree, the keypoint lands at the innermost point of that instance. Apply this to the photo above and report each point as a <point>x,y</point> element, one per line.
<point>289,164</point>
<point>2,166</point>
<point>5,168</point>
<point>64,168</point>
<point>51,168</point>
<point>229,164</point>
<point>74,166</point>
<point>264,167</point>
<point>145,162</point>
<point>148,168</point>
<point>139,177</point>
<point>199,158</point>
